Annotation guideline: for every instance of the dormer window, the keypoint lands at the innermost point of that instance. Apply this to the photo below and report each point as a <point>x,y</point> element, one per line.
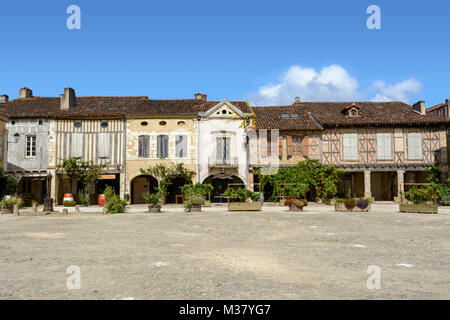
<point>352,111</point>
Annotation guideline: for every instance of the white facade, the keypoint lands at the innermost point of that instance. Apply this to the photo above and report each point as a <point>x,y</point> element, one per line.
<point>222,146</point>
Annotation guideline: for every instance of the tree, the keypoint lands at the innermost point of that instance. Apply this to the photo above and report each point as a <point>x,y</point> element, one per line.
<point>86,173</point>
<point>8,184</point>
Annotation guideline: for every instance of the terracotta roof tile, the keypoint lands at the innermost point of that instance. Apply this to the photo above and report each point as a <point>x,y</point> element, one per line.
<point>330,114</point>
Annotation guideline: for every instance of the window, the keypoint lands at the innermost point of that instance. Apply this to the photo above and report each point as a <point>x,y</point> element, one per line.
<point>181,146</point>
<point>269,146</point>
<point>31,146</point>
<point>296,146</point>
<point>162,123</point>
<point>104,145</point>
<point>144,147</point>
<point>414,146</point>
<point>163,146</point>
<point>144,123</point>
<point>223,148</point>
<point>77,124</point>
<point>104,124</point>
<point>76,148</point>
<point>384,146</point>
<point>350,146</point>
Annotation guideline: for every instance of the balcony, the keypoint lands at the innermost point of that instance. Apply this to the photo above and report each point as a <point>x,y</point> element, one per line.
<point>231,162</point>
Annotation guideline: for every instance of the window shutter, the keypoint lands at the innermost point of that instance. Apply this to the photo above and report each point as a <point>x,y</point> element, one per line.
<point>219,148</point>
<point>76,149</point>
<point>144,146</point>
<point>181,146</point>
<point>280,147</point>
<point>415,146</point>
<point>227,148</point>
<point>290,146</point>
<point>305,146</point>
<point>350,141</point>
<point>104,145</point>
<point>384,146</point>
<point>165,143</point>
<point>159,146</point>
<point>263,146</point>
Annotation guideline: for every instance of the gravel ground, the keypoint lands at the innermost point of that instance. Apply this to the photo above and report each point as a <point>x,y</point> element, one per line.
<point>274,254</point>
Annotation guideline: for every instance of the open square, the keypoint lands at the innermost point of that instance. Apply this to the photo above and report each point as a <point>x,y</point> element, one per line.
<point>216,254</point>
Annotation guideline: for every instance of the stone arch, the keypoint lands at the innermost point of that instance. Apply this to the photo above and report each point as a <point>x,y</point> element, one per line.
<point>139,185</point>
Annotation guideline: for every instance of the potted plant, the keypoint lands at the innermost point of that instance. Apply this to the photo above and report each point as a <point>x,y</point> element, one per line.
<point>339,204</point>
<point>208,190</point>
<point>363,205</point>
<point>295,205</point>
<point>153,200</point>
<point>8,202</point>
<point>194,196</point>
<point>350,204</point>
<point>247,200</point>
<point>423,200</point>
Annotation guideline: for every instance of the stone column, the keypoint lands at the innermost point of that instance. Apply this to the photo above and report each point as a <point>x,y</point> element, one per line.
<point>251,177</point>
<point>367,187</point>
<point>400,185</point>
<point>54,186</point>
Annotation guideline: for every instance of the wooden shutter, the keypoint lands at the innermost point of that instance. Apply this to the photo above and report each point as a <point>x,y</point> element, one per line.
<point>104,145</point>
<point>227,145</point>
<point>219,148</point>
<point>280,147</point>
<point>304,146</point>
<point>263,146</point>
<point>181,146</point>
<point>76,149</point>
<point>165,146</point>
<point>144,146</point>
<point>290,146</point>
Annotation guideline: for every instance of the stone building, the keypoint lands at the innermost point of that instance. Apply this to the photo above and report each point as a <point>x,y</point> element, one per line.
<point>175,132</point>
<point>442,110</point>
<point>379,145</point>
<point>42,131</point>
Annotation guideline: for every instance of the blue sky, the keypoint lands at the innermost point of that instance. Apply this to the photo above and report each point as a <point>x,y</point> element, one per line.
<point>264,51</point>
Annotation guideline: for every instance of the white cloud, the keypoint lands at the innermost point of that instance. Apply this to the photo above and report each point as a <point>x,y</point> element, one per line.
<point>332,83</point>
<point>401,91</point>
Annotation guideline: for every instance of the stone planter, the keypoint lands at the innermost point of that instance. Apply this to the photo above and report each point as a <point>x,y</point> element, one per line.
<point>6,210</point>
<point>419,208</point>
<point>244,206</point>
<point>294,208</point>
<point>195,208</point>
<point>153,209</point>
<point>329,202</point>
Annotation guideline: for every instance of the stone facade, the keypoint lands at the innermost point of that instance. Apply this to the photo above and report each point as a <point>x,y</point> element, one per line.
<point>154,127</point>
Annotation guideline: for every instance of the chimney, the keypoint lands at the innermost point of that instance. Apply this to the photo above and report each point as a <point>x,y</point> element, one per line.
<point>419,107</point>
<point>4,98</point>
<point>200,96</point>
<point>447,112</point>
<point>25,93</point>
<point>68,99</point>
<point>297,99</point>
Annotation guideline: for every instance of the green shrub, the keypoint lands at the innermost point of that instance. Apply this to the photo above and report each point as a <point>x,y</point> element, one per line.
<point>11,202</point>
<point>241,194</point>
<point>153,199</point>
<point>69,203</point>
<point>194,194</point>
<point>339,200</point>
<point>299,203</point>
<point>113,203</point>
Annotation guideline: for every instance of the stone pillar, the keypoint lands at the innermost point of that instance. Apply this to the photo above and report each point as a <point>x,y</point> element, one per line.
<point>54,187</point>
<point>367,186</point>
<point>400,185</point>
<point>251,177</point>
